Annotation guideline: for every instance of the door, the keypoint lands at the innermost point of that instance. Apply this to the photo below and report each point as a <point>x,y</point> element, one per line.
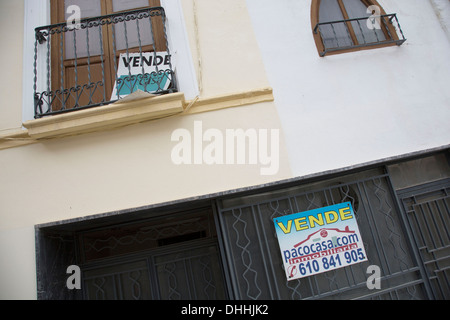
<point>427,210</point>
<point>84,60</point>
<point>174,257</point>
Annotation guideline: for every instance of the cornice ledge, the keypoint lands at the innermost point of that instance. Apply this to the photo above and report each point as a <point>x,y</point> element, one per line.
<point>127,112</point>
<point>106,117</point>
<point>15,139</point>
<point>229,100</point>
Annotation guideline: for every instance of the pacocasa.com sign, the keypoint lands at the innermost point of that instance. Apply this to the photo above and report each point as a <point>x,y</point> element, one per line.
<point>319,240</point>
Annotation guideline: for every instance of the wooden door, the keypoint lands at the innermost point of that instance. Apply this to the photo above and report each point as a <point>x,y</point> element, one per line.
<point>84,60</point>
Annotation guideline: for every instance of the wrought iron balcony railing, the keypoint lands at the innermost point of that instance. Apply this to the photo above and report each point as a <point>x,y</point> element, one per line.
<point>100,60</point>
<point>360,32</point>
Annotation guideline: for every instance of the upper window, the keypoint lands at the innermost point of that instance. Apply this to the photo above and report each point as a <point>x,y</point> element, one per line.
<point>116,47</point>
<point>348,25</point>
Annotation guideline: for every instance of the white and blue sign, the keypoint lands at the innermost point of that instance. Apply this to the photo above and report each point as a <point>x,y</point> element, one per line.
<point>145,71</point>
<point>319,240</point>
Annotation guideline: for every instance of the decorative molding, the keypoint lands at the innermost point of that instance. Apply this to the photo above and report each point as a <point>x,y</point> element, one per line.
<point>15,139</point>
<point>230,100</point>
<point>126,112</point>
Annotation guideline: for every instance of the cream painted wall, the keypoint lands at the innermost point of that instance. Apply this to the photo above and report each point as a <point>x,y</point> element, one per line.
<point>225,52</point>
<point>120,169</point>
<point>18,264</point>
<point>11,24</point>
<point>130,167</point>
<point>112,162</point>
<point>108,171</point>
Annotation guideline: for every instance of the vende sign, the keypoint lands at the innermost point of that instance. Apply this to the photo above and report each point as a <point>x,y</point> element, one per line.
<point>319,240</point>
<point>145,71</point>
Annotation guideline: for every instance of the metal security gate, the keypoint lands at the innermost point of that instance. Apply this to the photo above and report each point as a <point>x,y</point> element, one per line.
<point>254,259</point>
<point>427,209</point>
<point>188,274</point>
<point>188,253</point>
<point>169,258</point>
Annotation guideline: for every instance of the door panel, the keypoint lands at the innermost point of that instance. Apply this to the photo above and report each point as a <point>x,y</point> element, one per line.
<point>427,210</point>
<point>192,274</point>
<point>122,5</point>
<point>138,33</point>
<point>174,257</point>
<point>357,9</point>
<point>333,36</point>
<point>90,89</point>
<point>79,37</point>
<point>126,281</point>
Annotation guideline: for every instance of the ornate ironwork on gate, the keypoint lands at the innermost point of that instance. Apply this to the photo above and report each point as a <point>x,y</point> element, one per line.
<point>427,210</point>
<point>255,261</point>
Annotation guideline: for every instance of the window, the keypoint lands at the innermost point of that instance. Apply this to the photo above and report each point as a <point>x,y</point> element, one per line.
<point>81,65</point>
<point>349,25</point>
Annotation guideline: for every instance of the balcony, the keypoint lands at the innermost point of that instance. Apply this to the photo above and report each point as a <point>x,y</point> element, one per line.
<point>101,60</point>
<point>350,34</point>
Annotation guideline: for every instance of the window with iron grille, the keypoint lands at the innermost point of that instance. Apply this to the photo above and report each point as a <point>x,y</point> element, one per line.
<point>77,66</point>
<point>348,25</point>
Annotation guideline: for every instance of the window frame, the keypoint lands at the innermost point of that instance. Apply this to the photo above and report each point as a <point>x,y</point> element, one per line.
<point>58,15</point>
<point>315,19</point>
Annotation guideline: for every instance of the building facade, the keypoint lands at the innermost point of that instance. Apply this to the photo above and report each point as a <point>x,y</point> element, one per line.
<point>152,143</point>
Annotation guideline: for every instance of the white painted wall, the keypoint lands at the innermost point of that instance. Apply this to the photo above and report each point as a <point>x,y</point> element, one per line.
<point>357,107</point>
<point>442,10</point>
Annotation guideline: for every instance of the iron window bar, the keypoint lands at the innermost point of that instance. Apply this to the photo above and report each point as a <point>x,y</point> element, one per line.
<point>386,20</point>
<point>56,98</point>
